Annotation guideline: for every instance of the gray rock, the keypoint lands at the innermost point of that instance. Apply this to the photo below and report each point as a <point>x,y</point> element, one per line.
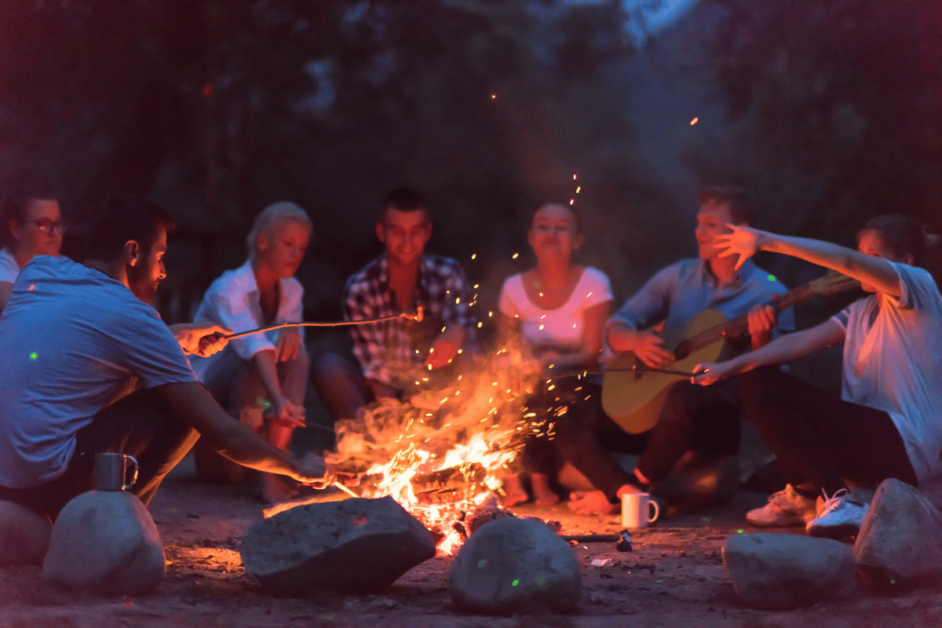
<point>105,542</point>
<point>352,546</point>
<point>24,535</point>
<point>900,541</point>
<point>515,565</point>
<point>783,571</point>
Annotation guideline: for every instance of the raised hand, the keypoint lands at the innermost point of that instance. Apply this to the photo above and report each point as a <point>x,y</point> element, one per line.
<point>742,241</point>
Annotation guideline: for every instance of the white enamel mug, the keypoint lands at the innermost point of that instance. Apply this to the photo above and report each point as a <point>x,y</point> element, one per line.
<point>638,510</point>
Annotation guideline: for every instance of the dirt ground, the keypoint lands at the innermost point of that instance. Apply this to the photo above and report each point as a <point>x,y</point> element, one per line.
<point>674,577</point>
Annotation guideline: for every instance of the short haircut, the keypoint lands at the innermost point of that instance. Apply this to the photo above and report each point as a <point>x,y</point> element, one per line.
<point>16,207</point>
<point>741,208</point>
<point>577,221</point>
<point>126,218</point>
<point>272,215</point>
<point>404,200</point>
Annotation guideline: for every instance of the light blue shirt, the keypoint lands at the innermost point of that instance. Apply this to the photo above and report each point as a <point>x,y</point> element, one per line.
<point>682,290</point>
<point>71,339</point>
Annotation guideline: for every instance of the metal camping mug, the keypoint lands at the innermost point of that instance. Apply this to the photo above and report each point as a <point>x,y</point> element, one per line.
<point>636,510</point>
<point>111,472</point>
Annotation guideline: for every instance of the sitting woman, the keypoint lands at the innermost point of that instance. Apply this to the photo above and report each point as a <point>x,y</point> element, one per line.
<point>31,226</point>
<point>886,423</point>
<point>261,378</point>
<point>559,308</point>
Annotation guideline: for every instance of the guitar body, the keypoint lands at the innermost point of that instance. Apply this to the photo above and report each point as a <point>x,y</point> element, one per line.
<point>635,400</point>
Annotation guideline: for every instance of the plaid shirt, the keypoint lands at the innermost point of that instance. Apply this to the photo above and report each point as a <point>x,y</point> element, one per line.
<point>390,351</point>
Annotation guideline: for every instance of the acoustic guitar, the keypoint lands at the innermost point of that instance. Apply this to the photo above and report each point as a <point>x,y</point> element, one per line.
<point>634,396</point>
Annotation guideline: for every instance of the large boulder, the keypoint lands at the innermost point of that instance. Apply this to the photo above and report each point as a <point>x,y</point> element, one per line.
<point>784,571</point>
<point>900,541</point>
<point>24,535</point>
<point>515,565</point>
<point>352,546</point>
<point>105,542</point>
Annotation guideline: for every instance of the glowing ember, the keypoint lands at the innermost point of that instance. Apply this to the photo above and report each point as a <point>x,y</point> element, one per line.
<point>441,451</point>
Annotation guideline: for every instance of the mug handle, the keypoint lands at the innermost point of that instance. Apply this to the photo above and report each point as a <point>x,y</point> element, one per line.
<point>657,510</point>
<point>134,475</point>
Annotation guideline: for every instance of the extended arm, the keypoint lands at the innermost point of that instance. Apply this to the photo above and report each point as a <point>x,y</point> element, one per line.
<point>780,351</point>
<point>235,441</point>
<point>867,269</point>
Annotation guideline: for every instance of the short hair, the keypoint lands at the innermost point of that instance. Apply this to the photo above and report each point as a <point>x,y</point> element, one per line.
<point>741,208</point>
<point>125,218</point>
<point>16,207</point>
<point>577,220</point>
<point>269,217</point>
<point>404,200</point>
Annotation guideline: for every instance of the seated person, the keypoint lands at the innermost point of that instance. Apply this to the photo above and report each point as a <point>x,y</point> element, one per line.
<point>261,378</point>
<point>559,307</point>
<point>886,422</point>
<point>75,339</point>
<point>31,226</point>
<point>403,278</point>
<point>705,421</point>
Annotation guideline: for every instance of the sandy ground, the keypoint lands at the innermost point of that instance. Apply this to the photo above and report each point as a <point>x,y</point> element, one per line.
<point>674,577</point>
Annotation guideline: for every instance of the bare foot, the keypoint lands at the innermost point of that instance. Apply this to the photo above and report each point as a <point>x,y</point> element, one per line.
<point>514,492</point>
<point>273,490</point>
<point>594,503</point>
<point>543,495</point>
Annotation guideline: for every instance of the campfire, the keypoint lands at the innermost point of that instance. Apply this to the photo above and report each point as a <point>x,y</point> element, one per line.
<point>443,451</point>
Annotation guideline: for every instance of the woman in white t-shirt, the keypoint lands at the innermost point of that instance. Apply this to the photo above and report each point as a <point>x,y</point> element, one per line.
<point>559,308</point>
<point>887,422</point>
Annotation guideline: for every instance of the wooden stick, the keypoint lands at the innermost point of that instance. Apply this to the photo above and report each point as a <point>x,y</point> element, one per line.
<point>634,369</point>
<point>416,316</point>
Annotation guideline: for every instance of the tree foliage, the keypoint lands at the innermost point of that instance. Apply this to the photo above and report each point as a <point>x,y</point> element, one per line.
<point>844,104</point>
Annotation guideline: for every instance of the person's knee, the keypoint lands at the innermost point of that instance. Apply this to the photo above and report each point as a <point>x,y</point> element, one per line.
<point>299,365</point>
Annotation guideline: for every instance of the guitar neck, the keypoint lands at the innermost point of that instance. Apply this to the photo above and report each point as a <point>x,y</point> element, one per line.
<point>739,325</point>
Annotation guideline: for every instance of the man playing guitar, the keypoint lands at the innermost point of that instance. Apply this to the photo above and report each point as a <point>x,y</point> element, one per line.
<point>692,418</point>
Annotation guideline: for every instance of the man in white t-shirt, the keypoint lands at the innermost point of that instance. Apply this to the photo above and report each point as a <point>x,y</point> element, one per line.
<point>74,338</point>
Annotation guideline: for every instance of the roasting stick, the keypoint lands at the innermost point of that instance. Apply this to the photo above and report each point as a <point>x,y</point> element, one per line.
<point>344,489</point>
<point>634,369</point>
<point>412,316</point>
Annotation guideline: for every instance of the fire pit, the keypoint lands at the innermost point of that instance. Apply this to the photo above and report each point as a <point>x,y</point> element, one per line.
<point>442,453</point>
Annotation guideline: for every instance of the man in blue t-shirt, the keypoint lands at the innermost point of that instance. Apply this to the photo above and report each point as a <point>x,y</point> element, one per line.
<point>91,368</point>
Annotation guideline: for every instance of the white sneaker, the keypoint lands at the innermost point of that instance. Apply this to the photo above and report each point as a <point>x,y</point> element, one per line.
<point>785,508</point>
<point>838,517</point>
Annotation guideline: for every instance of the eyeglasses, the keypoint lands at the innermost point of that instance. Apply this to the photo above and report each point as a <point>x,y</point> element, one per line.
<point>48,226</point>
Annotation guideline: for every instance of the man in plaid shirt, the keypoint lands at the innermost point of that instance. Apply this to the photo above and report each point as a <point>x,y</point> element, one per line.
<point>391,353</point>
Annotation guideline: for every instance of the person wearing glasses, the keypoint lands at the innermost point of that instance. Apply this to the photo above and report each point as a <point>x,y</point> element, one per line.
<point>31,226</point>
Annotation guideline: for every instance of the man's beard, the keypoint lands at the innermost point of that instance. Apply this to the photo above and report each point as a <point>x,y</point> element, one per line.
<point>143,287</point>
